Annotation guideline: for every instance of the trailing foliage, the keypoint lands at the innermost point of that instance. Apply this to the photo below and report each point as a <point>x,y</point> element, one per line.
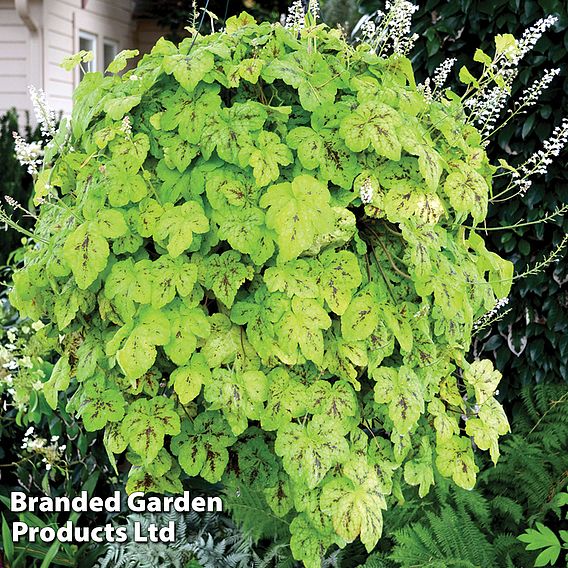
<point>530,344</point>
<point>260,248</point>
<point>524,492</point>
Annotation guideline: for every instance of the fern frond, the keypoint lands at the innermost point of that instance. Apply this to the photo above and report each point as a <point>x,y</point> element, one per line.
<point>252,514</point>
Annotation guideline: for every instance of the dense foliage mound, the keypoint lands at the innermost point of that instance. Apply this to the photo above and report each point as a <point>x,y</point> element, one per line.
<point>258,252</point>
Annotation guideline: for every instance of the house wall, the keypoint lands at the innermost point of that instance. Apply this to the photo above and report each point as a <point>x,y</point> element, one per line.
<point>64,20</point>
<point>21,54</point>
<point>31,49</point>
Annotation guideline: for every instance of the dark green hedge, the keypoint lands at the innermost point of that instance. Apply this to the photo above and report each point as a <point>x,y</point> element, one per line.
<point>531,343</point>
<point>14,180</point>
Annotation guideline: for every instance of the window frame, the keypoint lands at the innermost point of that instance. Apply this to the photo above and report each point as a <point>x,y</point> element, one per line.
<point>94,39</point>
<point>116,47</point>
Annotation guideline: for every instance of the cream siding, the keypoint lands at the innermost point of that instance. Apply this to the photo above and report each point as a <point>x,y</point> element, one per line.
<point>36,35</point>
<point>20,55</point>
<point>65,19</point>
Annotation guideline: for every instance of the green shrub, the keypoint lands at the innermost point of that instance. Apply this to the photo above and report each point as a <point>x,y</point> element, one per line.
<point>261,250</point>
<point>530,344</point>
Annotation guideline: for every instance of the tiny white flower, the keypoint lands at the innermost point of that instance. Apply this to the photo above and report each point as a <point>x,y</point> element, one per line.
<point>44,115</point>
<point>296,18</point>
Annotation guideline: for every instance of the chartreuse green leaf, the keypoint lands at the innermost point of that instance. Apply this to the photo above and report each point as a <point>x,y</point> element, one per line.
<point>373,124</point>
<point>294,278</point>
<point>146,423</point>
<point>202,445</point>
<point>308,452</point>
<point>100,407</point>
<point>86,251</point>
<point>269,153</point>
<point>189,69</point>
<point>419,471</point>
<point>298,212</point>
<point>402,391</point>
<point>187,326</point>
<point>338,401</point>
<point>355,510</point>
<point>188,112</point>
<point>238,395</point>
<point>483,378</point>
<point>71,61</point>
<point>59,381</point>
<point>123,188</point>
<point>339,278</point>
<point>116,108</point>
<point>121,60</point>
<point>129,154</point>
<point>446,425</point>
<point>286,399</point>
<point>159,476</point>
<point>505,43</point>
<point>491,422</point>
<point>361,317</point>
<point>245,230</point>
<point>189,379</point>
<point>468,192</point>
<point>454,458</point>
<point>229,132</point>
<point>302,328</point>
<point>178,224</point>
<point>225,274</point>
<point>309,146</point>
<point>127,284</point>
<point>70,301</point>
<point>137,355</point>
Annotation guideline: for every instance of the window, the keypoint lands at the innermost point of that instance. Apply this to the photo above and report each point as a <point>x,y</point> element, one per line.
<point>88,42</point>
<point>110,51</point>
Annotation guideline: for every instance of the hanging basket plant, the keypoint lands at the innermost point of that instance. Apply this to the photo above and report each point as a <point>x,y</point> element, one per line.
<point>257,252</point>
